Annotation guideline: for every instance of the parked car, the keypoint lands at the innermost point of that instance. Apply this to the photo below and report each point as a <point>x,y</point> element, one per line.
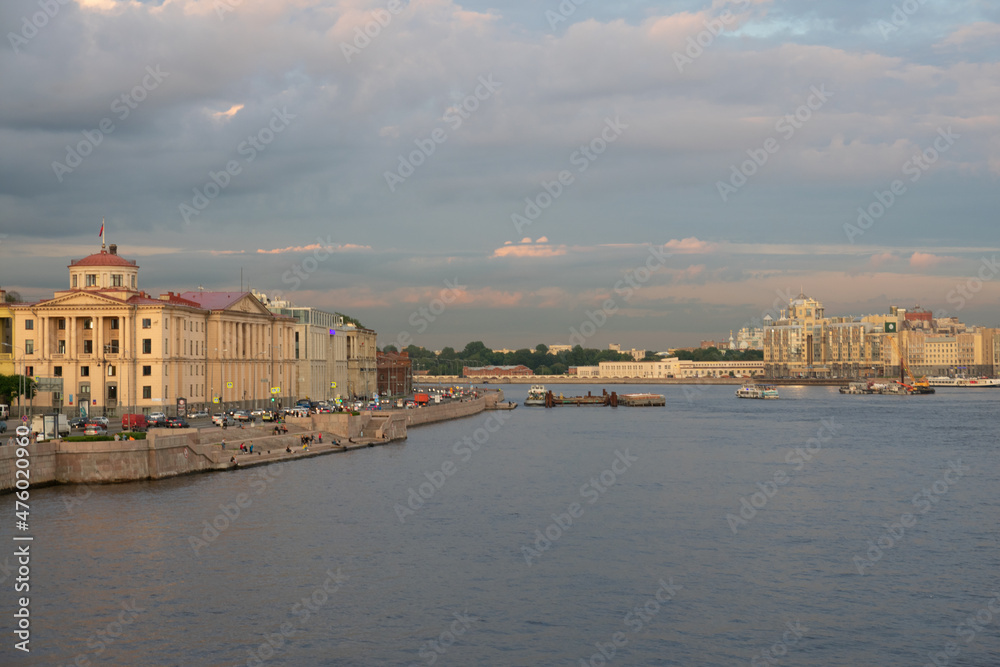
<point>134,422</point>
<point>197,415</point>
<point>95,429</point>
<point>103,421</point>
<point>177,422</point>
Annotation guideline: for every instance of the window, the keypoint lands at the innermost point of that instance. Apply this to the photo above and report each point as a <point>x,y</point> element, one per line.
<point>74,281</point>
<point>84,371</point>
<point>112,347</point>
<point>29,325</point>
<point>147,345</point>
<point>29,348</point>
<point>133,282</point>
<point>147,323</point>
<point>147,370</point>
<point>112,371</point>
<point>114,322</point>
<point>88,323</point>
<point>88,347</point>
<point>116,280</point>
<point>62,324</point>
<point>147,392</point>
<point>91,280</point>
<point>29,371</point>
<point>61,347</point>
<point>57,371</point>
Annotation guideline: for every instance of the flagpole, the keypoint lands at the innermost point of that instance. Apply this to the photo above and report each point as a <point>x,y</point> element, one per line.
<point>102,233</point>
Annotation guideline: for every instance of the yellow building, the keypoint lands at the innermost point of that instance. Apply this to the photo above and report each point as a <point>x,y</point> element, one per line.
<point>8,349</point>
<point>116,349</point>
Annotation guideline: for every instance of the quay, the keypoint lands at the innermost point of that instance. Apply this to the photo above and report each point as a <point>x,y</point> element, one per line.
<point>172,452</point>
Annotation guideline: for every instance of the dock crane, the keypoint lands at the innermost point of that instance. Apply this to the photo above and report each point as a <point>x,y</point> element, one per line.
<point>921,386</point>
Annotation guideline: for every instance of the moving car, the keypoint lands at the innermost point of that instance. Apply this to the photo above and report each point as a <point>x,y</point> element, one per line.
<point>157,420</point>
<point>177,422</point>
<point>220,419</point>
<point>197,415</point>
<point>78,422</point>
<point>95,429</point>
<point>242,416</point>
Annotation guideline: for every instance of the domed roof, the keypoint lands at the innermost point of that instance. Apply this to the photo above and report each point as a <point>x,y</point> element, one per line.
<point>104,258</point>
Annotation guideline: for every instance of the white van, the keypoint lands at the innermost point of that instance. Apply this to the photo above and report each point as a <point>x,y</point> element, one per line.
<point>4,412</point>
<point>57,428</point>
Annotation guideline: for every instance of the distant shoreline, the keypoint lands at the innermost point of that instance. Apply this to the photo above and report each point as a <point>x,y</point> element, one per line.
<point>546,380</point>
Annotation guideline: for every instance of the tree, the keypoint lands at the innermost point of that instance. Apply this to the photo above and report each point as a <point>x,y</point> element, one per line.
<point>476,349</point>
<point>390,348</point>
<point>448,353</point>
<point>12,296</point>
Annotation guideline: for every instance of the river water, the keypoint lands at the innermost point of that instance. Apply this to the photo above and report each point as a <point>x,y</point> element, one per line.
<point>820,528</point>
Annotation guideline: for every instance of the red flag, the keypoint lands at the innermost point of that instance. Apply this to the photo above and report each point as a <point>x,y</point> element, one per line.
<point>101,233</point>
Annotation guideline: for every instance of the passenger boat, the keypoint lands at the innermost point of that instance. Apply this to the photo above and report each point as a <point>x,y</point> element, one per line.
<point>976,383</point>
<point>536,395</point>
<point>757,391</point>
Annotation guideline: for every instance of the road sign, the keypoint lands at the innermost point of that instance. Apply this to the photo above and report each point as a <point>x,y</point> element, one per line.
<point>49,384</point>
<point>275,390</point>
<point>333,385</point>
<point>229,385</point>
<point>215,399</point>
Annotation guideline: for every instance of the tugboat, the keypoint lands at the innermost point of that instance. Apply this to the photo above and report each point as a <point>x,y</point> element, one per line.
<point>536,395</point>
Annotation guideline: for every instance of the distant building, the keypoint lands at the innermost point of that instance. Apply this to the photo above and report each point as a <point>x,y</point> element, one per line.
<point>671,367</point>
<point>395,376</point>
<point>496,371</point>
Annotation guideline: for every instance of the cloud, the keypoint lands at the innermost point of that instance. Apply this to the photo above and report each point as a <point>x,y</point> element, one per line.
<point>228,114</point>
<point>926,260</point>
<point>690,246</point>
<point>881,259</point>
<point>312,247</point>
<point>973,34</point>
<point>527,250</point>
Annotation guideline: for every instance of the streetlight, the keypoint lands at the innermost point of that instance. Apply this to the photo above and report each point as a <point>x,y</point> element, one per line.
<point>20,378</point>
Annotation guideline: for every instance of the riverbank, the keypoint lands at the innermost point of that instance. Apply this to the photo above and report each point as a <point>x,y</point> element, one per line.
<point>169,453</point>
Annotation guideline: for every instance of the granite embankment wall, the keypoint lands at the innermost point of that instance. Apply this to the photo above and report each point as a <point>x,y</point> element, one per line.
<point>170,453</point>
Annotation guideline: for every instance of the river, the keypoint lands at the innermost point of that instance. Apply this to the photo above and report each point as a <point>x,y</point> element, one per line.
<point>817,529</point>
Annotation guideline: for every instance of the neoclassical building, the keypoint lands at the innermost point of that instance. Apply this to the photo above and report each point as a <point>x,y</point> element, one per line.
<point>116,349</point>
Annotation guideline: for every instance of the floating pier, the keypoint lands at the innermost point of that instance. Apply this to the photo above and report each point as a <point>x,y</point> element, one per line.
<point>612,399</point>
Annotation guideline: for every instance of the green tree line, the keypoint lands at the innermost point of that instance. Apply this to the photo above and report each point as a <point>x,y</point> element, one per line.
<point>542,362</point>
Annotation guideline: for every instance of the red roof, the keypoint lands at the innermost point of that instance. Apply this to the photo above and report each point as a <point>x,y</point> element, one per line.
<point>213,300</point>
<point>103,258</point>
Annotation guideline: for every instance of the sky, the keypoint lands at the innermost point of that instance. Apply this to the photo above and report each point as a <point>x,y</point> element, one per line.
<point>644,173</point>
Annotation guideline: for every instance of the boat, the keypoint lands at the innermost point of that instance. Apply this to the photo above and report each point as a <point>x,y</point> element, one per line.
<point>642,400</point>
<point>536,395</point>
<point>975,383</point>
<point>857,388</point>
<point>757,391</point>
